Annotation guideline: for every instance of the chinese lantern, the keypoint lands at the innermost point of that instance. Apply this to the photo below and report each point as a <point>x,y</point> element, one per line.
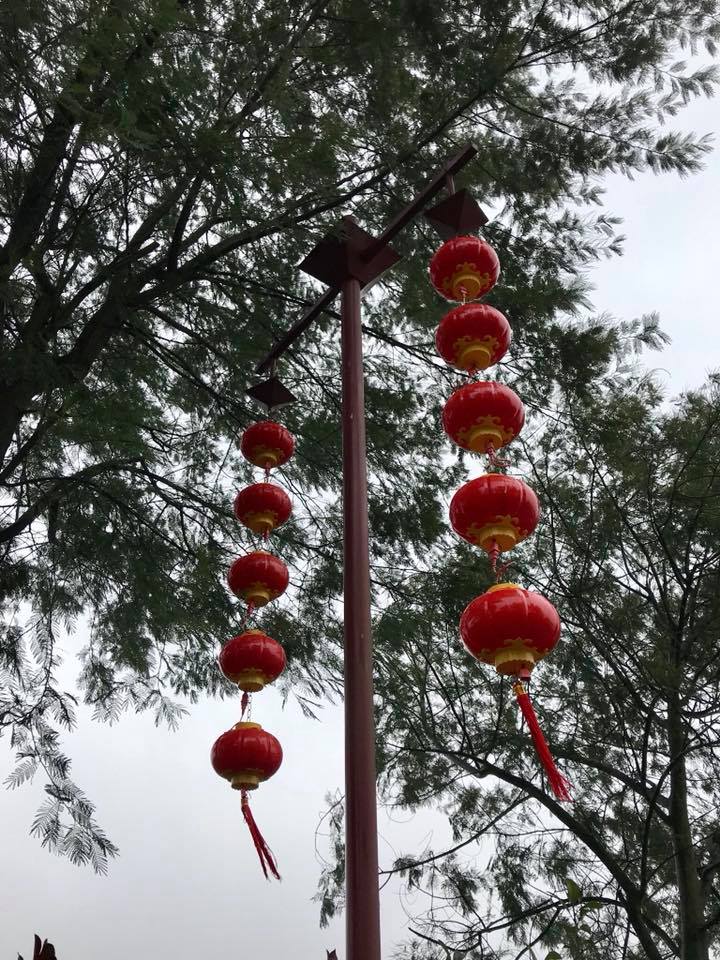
<point>251,660</point>
<point>258,578</point>
<point>512,629</point>
<point>267,444</point>
<point>483,416</point>
<point>464,268</point>
<point>246,756</point>
<point>494,511</point>
<point>262,507</point>
<point>473,336</point>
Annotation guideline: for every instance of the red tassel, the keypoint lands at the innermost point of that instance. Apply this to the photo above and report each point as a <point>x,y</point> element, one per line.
<point>559,784</point>
<point>244,703</point>
<point>267,860</point>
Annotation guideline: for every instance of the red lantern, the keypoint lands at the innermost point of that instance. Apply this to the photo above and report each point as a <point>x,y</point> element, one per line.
<point>246,755</point>
<point>473,336</point>
<point>483,416</point>
<point>267,444</point>
<point>252,660</point>
<point>262,507</point>
<point>464,268</point>
<point>258,578</point>
<point>510,628</point>
<point>494,511</point>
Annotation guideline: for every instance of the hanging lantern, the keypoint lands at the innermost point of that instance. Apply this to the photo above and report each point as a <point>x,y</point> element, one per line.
<point>512,629</point>
<point>258,578</point>
<point>262,507</point>
<point>473,336</point>
<point>494,512</point>
<point>251,660</point>
<point>246,755</point>
<point>464,268</point>
<point>483,416</point>
<point>267,444</point>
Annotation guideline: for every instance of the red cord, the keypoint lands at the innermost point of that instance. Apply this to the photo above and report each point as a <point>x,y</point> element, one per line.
<point>248,614</point>
<point>558,783</point>
<point>265,854</point>
<point>494,553</point>
<point>495,460</point>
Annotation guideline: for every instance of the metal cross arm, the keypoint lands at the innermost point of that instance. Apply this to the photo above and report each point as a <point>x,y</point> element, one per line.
<point>365,256</point>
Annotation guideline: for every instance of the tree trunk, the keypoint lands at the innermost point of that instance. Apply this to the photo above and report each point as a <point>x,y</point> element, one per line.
<point>693,938</point>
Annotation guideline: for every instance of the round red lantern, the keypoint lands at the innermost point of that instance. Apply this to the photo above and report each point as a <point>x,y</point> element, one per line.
<point>510,628</point>
<point>494,511</point>
<point>246,755</point>
<point>267,444</point>
<point>251,660</point>
<point>262,507</point>
<point>258,578</point>
<point>464,268</point>
<point>483,416</point>
<point>473,336</point>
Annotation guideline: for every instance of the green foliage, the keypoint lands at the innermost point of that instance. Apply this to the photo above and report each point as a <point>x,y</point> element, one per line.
<point>164,165</point>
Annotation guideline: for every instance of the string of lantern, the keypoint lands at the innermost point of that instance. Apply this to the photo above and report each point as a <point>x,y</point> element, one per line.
<point>507,626</point>
<point>247,755</point>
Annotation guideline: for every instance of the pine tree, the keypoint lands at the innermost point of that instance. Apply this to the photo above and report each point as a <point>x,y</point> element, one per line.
<point>164,164</point>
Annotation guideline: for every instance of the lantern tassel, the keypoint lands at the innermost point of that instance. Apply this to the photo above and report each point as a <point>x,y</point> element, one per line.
<point>244,704</point>
<point>265,854</point>
<point>559,784</point>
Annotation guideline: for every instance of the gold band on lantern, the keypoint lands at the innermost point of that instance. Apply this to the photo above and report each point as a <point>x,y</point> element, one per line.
<point>270,455</point>
<point>260,521</point>
<point>503,531</point>
<point>251,680</point>
<point>512,659</point>
<point>473,354</point>
<point>258,594</point>
<point>467,282</point>
<point>247,780</point>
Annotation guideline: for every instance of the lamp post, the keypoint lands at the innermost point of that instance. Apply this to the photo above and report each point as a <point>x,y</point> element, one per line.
<point>348,260</point>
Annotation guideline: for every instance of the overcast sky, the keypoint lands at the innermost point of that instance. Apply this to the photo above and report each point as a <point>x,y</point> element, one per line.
<point>187,884</point>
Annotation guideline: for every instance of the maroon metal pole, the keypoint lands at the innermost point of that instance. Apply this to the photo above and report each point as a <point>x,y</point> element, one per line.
<point>362,904</point>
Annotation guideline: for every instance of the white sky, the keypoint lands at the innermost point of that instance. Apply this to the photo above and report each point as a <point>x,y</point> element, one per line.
<point>187,883</point>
